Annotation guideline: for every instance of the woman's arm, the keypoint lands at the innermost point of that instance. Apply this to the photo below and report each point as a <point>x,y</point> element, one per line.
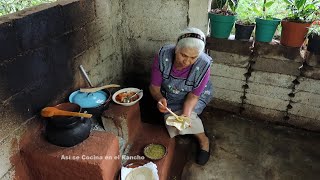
<point>156,94</point>
<point>189,104</point>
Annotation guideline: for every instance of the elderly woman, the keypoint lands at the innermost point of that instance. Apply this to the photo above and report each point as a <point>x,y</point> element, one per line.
<point>180,80</point>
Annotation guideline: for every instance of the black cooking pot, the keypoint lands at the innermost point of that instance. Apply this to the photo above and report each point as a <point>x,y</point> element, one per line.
<point>67,131</point>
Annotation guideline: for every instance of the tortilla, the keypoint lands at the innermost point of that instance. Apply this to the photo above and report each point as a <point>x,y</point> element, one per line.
<point>142,173</point>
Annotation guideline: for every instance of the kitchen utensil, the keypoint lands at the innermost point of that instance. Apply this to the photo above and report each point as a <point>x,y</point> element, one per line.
<point>88,100</point>
<point>174,114</point>
<point>125,90</point>
<point>91,90</point>
<point>52,111</point>
<point>85,75</point>
<point>128,99</point>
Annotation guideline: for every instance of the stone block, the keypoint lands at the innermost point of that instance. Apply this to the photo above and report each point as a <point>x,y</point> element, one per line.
<point>303,122</point>
<point>307,98</point>
<point>107,47</point>
<point>89,58</point>
<point>225,105</point>
<point>274,79</point>
<point>146,23</point>
<point>231,59</point>
<point>106,70</point>
<point>304,110</point>
<point>266,114</point>
<point>77,13</point>
<point>276,51</point>
<point>9,46</point>
<point>309,85</point>
<point>77,41</point>
<point>228,71</point>
<point>266,102</point>
<point>227,83</point>
<point>198,14</point>
<point>35,29</point>
<point>270,91</point>
<point>103,8</point>
<point>94,158</point>
<point>23,71</point>
<point>227,95</point>
<point>98,30</point>
<point>230,46</point>
<point>311,72</point>
<point>123,121</point>
<point>313,60</point>
<point>280,66</point>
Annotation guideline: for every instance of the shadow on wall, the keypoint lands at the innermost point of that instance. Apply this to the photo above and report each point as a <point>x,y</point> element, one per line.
<point>148,106</point>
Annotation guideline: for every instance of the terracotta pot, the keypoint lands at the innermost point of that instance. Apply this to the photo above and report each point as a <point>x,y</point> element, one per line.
<point>293,34</point>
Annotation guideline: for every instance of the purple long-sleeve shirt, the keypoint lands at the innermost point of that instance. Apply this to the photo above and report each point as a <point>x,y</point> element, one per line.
<point>156,76</point>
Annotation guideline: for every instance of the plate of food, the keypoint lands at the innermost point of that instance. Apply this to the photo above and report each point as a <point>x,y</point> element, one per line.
<point>127,96</point>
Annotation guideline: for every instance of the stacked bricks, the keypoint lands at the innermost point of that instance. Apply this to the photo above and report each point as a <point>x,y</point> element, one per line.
<point>230,64</point>
<point>266,81</point>
<point>274,68</point>
<point>305,106</point>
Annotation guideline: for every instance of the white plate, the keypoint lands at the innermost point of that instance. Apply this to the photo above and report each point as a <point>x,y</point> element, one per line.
<point>127,90</point>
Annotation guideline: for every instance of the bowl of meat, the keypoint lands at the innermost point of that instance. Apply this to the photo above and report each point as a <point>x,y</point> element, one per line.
<point>127,96</point>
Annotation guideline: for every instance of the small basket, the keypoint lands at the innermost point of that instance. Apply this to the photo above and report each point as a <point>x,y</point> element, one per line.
<point>153,144</point>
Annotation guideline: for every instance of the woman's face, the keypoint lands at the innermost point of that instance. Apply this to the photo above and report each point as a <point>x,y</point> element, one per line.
<point>185,57</point>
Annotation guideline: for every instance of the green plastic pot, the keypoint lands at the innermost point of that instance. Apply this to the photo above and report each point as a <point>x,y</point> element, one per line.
<point>221,25</point>
<point>265,29</point>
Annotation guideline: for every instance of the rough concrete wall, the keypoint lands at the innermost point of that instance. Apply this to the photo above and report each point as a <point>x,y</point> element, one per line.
<point>148,26</point>
<point>41,50</point>
<point>267,82</point>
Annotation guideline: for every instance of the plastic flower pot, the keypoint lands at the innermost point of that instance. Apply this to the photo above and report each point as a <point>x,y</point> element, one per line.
<point>243,32</point>
<point>221,25</point>
<point>265,29</point>
<point>293,34</point>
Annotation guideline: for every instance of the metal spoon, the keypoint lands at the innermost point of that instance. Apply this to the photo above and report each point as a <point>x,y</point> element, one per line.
<point>128,99</point>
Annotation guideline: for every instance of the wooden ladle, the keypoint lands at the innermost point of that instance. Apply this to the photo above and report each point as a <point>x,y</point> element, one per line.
<point>52,111</point>
<point>174,114</point>
<point>91,90</point>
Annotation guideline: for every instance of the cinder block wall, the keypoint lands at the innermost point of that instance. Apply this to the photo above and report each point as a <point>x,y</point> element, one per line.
<point>265,81</point>
<point>40,51</point>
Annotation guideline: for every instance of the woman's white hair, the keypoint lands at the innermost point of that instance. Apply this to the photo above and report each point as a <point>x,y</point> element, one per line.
<point>190,42</point>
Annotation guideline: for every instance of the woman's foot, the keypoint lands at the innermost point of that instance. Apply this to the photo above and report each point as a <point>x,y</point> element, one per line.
<point>204,150</point>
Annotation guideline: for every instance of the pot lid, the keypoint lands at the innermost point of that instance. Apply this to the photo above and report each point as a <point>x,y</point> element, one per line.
<point>88,100</point>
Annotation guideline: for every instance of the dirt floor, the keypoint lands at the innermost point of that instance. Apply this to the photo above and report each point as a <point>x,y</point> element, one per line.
<point>247,149</point>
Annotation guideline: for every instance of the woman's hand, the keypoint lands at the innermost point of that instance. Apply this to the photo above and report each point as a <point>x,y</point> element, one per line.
<point>164,103</point>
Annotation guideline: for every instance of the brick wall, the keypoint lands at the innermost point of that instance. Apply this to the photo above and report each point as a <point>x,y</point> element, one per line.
<point>41,49</point>
<point>266,81</point>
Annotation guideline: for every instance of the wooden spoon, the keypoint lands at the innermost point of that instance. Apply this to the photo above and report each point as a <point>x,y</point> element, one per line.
<point>52,111</point>
<point>90,90</point>
<point>174,114</point>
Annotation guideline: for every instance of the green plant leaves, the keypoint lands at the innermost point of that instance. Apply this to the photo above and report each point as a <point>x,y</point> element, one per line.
<point>300,3</point>
<point>268,4</point>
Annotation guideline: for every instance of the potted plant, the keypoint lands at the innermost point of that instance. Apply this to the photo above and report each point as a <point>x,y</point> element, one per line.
<point>266,25</point>
<point>314,38</point>
<point>295,26</point>
<point>222,18</point>
<point>245,23</point>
